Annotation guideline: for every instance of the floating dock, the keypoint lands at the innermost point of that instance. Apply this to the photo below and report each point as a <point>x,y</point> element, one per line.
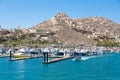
<point>16,59</point>
<point>2,56</point>
<point>25,58</point>
<point>57,59</point>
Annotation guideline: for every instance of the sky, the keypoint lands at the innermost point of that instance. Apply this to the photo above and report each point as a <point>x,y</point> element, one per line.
<point>28,13</point>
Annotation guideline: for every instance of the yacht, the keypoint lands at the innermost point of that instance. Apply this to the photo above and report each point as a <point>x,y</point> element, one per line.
<point>21,52</point>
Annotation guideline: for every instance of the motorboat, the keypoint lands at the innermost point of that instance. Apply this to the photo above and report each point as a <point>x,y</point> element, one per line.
<point>21,52</point>
<point>77,56</point>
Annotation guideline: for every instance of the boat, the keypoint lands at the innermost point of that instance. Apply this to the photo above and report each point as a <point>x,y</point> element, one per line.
<point>77,56</point>
<point>83,52</point>
<point>2,50</point>
<point>21,53</point>
<point>35,52</point>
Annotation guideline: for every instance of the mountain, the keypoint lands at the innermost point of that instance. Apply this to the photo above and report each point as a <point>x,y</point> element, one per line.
<point>81,30</point>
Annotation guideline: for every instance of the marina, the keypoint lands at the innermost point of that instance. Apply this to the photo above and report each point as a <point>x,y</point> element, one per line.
<point>55,54</point>
<point>51,63</point>
<point>59,40</point>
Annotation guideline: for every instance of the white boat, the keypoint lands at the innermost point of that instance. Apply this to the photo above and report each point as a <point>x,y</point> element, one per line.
<point>18,54</point>
<point>2,51</point>
<point>22,51</point>
<point>35,52</point>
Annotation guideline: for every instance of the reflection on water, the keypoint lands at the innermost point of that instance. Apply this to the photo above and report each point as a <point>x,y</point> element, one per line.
<point>20,69</point>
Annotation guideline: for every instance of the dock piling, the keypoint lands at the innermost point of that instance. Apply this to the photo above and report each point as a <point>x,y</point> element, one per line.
<point>45,57</point>
<point>10,55</point>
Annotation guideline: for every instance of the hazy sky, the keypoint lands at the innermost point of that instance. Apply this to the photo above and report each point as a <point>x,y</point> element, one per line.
<point>27,13</point>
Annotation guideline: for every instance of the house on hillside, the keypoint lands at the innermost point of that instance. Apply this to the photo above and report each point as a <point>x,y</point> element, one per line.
<point>117,38</point>
<point>44,34</point>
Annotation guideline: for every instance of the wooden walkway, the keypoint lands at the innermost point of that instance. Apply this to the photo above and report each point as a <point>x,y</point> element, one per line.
<point>25,58</point>
<point>58,59</point>
<point>2,56</point>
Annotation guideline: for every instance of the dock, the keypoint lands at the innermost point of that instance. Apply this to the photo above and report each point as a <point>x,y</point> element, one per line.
<point>3,56</point>
<point>57,59</point>
<point>25,58</point>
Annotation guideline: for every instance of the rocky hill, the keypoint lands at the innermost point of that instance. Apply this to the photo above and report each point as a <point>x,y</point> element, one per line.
<point>63,29</point>
<point>81,30</point>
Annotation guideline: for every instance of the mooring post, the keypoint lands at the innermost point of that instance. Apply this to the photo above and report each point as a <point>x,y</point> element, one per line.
<point>47,57</point>
<point>44,56</point>
<point>10,54</point>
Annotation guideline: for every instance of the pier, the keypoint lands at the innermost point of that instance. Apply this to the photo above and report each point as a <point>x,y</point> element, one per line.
<point>2,56</point>
<point>25,58</point>
<point>57,59</point>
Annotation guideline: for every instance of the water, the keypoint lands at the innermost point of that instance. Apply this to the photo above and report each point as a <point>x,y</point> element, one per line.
<point>105,67</point>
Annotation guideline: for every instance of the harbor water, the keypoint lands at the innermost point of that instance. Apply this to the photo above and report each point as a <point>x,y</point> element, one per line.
<point>102,67</point>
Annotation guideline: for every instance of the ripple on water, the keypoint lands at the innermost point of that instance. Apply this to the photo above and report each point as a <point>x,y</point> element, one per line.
<point>106,67</point>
